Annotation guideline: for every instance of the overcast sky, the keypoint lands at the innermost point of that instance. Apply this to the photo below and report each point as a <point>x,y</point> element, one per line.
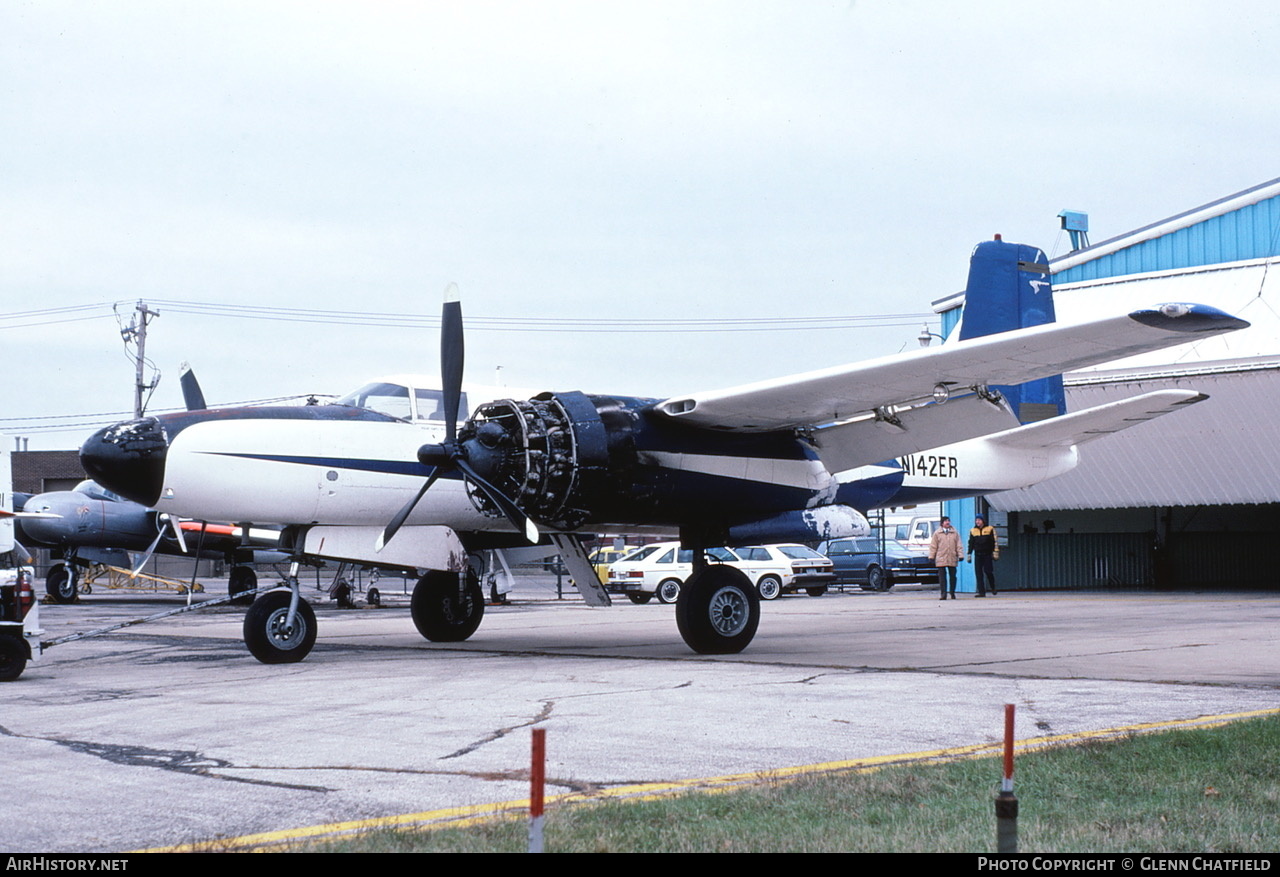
<point>572,160</point>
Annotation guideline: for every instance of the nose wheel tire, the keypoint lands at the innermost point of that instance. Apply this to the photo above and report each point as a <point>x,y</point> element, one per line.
<point>443,613</point>
<point>269,636</point>
<point>718,611</point>
<point>60,584</point>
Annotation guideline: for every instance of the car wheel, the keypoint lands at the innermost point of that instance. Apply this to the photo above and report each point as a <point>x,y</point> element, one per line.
<point>877,580</point>
<point>638,597</point>
<point>816,592</point>
<point>769,587</point>
<point>668,591</point>
<point>13,657</point>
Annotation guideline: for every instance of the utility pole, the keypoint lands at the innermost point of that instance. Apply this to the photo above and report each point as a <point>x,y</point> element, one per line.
<point>137,330</point>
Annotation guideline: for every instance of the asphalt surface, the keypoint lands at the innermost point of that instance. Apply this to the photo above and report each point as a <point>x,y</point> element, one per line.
<point>170,732</point>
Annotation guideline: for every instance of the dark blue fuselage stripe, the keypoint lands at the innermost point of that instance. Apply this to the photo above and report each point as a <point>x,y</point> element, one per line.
<point>388,467</point>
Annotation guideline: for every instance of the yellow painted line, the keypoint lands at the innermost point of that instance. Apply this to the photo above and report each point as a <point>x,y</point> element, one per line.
<point>458,817</point>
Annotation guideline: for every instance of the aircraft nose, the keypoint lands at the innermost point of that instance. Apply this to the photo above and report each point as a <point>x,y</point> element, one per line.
<point>42,530</point>
<point>128,458</point>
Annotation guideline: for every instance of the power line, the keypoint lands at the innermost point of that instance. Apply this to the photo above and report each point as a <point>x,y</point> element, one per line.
<point>551,324</point>
<point>391,320</point>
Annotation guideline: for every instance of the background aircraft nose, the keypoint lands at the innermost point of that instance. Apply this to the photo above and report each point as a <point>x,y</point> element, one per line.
<point>128,458</point>
<point>45,531</point>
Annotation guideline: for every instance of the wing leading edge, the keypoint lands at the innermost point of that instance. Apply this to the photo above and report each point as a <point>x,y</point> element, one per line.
<point>908,380</point>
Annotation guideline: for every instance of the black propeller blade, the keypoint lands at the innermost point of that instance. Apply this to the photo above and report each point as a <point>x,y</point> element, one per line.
<point>449,454</point>
<point>191,394</point>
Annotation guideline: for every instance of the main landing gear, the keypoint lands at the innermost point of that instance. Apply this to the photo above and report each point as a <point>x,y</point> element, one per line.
<point>241,583</point>
<point>447,608</point>
<point>718,610</point>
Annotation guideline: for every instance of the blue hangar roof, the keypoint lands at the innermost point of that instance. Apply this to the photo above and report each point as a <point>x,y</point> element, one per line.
<point>1242,226</point>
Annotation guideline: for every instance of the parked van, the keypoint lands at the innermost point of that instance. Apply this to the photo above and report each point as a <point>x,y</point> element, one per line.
<point>914,528</point>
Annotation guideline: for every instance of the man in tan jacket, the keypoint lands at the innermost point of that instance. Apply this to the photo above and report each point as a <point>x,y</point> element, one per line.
<point>945,552</point>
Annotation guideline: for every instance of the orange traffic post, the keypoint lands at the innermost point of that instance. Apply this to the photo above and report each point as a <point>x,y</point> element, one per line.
<point>1006,801</point>
<point>537,777</point>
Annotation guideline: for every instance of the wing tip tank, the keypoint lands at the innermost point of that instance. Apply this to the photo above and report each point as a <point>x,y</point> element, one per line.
<point>1188,317</point>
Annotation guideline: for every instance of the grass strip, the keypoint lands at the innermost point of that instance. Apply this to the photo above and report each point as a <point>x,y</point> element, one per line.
<point>1199,790</point>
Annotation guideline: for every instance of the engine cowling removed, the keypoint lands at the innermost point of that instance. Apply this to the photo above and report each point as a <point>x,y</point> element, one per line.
<point>549,454</point>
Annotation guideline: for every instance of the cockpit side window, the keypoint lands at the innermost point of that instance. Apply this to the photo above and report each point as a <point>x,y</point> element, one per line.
<point>431,404</point>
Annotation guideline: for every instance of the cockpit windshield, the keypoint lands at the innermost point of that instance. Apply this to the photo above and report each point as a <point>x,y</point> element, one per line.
<point>394,399</point>
<point>390,399</point>
<point>95,490</point>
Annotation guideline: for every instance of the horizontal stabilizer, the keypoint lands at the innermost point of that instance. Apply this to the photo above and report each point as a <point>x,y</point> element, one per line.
<point>823,397</point>
<point>1079,427</point>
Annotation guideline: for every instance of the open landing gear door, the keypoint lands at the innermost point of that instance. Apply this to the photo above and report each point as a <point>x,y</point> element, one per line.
<point>580,568</point>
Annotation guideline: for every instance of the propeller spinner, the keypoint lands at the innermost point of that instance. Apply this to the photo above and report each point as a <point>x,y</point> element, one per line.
<point>452,454</point>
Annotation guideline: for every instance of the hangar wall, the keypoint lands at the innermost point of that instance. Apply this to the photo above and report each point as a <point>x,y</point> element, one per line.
<point>1191,500</point>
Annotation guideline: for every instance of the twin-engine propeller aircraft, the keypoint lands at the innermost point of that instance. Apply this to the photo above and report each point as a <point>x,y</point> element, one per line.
<point>797,459</point>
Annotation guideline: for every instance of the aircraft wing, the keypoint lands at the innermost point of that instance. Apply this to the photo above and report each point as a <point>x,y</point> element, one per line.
<point>1079,427</point>
<point>819,398</point>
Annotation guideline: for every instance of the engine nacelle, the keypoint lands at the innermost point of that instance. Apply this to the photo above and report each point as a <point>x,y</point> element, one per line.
<point>809,525</point>
<point>549,454</point>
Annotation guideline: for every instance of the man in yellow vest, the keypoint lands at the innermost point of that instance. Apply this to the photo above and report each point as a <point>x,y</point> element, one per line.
<point>983,552</point>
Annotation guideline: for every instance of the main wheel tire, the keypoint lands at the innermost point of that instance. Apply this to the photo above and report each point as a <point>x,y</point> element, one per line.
<point>639,597</point>
<point>13,657</point>
<point>266,635</point>
<point>668,591</point>
<point>60,583</point>
<point>441,613</point>
<point>877,580</point>
<point>718,611</point>
<point>240,583</point>
<point>816,592</point>
<point>769,587</point>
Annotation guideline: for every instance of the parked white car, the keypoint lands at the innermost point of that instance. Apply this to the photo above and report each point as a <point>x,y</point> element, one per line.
<point>658,569</point>
<point>661,569</point>
<point>781,569</point>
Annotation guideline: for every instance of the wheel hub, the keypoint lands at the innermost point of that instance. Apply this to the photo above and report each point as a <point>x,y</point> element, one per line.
<point>729,611</point>
<point>282,635</point>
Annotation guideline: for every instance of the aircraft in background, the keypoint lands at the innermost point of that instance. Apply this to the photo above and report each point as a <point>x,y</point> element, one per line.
<point>796,459</point>
<point>90,524</point>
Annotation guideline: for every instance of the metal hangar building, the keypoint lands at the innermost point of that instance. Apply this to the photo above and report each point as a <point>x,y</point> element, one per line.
<point>1187,501</point>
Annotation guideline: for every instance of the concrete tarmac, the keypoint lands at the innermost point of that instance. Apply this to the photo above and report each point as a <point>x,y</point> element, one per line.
<point>170,732</point>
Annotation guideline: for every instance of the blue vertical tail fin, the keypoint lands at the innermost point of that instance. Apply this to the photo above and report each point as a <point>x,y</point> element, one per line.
<point>1009,288</point>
